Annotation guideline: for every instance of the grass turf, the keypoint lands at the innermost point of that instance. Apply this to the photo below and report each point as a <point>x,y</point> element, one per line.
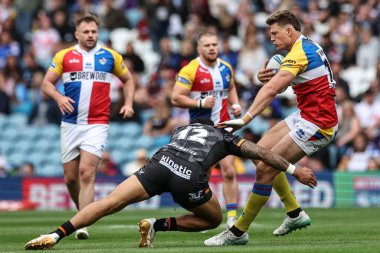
<point>332,230</point>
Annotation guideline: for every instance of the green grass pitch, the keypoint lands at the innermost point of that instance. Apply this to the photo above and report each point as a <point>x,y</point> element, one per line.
<point>332,230</point>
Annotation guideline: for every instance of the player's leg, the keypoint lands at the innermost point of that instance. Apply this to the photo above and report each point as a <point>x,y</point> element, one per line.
<point>230,188</point>
<point>259,196</point>
<point>71,177</point>
<point>128,192</point>
<point>93,138</point>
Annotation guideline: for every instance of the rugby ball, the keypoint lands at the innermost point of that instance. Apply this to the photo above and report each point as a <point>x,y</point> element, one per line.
<point>275,62</point>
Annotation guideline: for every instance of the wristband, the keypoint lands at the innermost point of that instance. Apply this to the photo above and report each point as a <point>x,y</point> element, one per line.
<point>235,106</point>
<point>235,122</point>
<point>291,168</point>
<point>200,104</point>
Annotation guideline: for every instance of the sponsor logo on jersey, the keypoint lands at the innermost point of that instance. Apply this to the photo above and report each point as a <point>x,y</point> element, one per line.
<point>183,80</point>
<point>222,68</point>
<point>289,62</point>
<point>102,60</point>
<point>175,145</point>
<point>205,80</point>
<point>53,65</point>
<point>88,75</point>
<point>100,52</point>
<point>88,66</point>
<point>215,93</point>
<point>74,60</point>
<point>176,168</point>
<point>228,77</point>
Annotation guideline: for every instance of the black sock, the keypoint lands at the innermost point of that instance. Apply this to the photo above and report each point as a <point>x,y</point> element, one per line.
<point>294,213</point>
<point>65,229</point>
<point>237,232</point>
<point>165,224</point>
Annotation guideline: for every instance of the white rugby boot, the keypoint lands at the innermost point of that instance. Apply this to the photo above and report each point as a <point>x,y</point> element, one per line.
<point>227,238</point>
<point>290,224</point>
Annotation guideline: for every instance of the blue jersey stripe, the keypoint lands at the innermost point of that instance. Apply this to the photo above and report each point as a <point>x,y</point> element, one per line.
<point>226,74</point>
<point>104,61</point>
<point>72,90</point>
<point>310,49</point>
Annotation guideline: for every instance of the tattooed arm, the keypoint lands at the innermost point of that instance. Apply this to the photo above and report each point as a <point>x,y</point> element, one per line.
<point>252,151</point>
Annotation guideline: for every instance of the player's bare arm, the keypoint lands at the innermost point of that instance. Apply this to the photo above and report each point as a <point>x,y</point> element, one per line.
<point>129,93</point>
<point>252,151</point>
<point>48,89</point>
<point>233,99</point>
<point>265,96</point>
<point>181,98</point>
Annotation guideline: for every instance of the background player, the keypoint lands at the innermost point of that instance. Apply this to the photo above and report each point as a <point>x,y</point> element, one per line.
<point>302,133</point>
<point>86,70</point>
<point>206,86</point>
<point>181,168</point>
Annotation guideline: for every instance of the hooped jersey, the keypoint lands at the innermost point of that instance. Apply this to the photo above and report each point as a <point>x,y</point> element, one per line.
<point>313,84</point>
<point>203,81</point>
<point>203,144</point>
<point>86,77</point>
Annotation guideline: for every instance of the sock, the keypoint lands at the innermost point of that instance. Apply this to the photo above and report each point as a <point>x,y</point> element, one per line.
<point>65,229</point>
<point>237,232</point>
<point>231,209</point>
<point>257,199</point>
<point>283,190</point>
<point>294,213</point>
<point>165,224</point>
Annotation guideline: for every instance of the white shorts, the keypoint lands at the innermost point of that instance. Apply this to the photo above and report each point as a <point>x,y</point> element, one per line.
<point>308,136</point>
<point>91,138</point>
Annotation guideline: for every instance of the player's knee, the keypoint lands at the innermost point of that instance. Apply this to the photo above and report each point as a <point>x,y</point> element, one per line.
<point>229,173</point>
<point>70,181</point>
<point>215,221</point>
<point>265,174</point>
<point>86,175</point>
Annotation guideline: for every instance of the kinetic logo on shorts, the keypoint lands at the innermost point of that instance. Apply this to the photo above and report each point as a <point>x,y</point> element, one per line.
<point>177,169</point>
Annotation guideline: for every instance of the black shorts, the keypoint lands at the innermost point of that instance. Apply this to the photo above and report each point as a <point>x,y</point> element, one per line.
<point>186,181</point>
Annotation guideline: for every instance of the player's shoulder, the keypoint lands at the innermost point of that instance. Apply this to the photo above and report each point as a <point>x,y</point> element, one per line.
<point>110,50</point>
<point>64,51</point>
<point>192,66</point>
<point>223,62</point>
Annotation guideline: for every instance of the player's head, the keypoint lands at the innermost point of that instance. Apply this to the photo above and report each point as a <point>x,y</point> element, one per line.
<point>87,31</point>
<point>205,121</point>
<point>207,47</point>
<point>285,28</point>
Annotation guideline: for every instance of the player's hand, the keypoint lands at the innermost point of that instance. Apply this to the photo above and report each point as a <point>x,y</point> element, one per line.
<point>265,74</point>
<point>236,110</point>
<point>65,104</point>
<point>305,176</point>
<point>126,111</point>
<point>208,102</point>
<point>235,124</point>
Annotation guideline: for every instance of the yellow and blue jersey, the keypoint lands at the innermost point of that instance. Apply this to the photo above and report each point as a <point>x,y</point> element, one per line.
<point>313,84</point>
<point>203,81</point>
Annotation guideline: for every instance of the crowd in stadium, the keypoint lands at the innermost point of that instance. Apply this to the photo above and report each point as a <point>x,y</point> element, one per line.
<point>157,38</point>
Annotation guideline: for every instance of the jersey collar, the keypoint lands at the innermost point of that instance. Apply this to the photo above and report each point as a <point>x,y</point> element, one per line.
<point>92,51</point>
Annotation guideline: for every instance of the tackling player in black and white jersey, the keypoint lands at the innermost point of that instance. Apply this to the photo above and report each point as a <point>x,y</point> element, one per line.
<point>182,168</point>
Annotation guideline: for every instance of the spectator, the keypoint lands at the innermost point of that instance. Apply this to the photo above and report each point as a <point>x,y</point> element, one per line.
<point>141,158</point>
<point>349,127</point>
<point>161,122</point>
<point>368,111</point>
<point>361,157</point>
<point>4,166</point>
<point>27,170</point>
<point>107,167</point>
<point>136,63</point>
